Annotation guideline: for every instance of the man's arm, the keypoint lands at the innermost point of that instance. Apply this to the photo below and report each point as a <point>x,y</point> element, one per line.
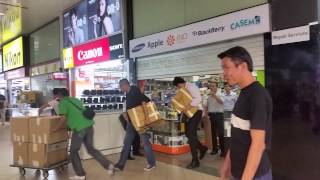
<point>43,107</point>
<point>225,171</point>
<point>256,150</point>
<point>219,99</point>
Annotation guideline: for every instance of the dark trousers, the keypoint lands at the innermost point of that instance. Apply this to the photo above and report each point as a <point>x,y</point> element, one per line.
<point>217,131</point>
<point>85,136</point>
<point>191,133</point>
<point>136,141</point>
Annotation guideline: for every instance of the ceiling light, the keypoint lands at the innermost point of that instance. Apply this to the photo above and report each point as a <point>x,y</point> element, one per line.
<point>2,14</point>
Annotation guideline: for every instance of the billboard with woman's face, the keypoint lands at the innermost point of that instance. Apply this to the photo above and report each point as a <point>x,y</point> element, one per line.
<point>91,19</point>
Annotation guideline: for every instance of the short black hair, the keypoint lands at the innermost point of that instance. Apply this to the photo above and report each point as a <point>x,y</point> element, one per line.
<point>238,55</point>
<point>63,92</point>
<point>55,91</point>
<point>178,80</point>
<point>124,81</point>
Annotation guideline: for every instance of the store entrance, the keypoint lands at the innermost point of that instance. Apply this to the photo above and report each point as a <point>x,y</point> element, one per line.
<point>169,141</point>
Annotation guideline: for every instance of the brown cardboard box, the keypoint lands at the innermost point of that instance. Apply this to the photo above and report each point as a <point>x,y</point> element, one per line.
<point>20,129</point>
<point>41,130</point>
<point>44,155</point>
<point>138,119</point>
<point>182,99</point>
<point>20,153</point>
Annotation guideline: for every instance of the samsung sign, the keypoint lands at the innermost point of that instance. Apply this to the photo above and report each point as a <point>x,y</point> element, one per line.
<point>239,24</point>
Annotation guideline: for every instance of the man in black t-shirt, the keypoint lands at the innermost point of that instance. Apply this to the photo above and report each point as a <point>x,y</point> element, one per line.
<point>251,121</point>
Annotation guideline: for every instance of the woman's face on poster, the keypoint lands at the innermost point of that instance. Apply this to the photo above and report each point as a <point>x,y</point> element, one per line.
<point>102,6</point>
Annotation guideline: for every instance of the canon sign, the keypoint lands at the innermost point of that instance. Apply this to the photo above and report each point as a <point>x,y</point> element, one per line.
<point>89,54</point>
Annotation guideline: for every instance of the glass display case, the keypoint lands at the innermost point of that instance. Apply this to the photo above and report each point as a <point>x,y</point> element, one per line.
<point>96,85</point>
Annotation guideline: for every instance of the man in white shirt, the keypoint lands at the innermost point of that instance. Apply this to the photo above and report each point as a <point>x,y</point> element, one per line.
<point>229,100</point>
<point>193,123</point>
<point>214,110</point>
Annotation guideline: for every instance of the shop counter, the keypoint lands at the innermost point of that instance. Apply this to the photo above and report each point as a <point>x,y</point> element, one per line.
<point>108,134</point>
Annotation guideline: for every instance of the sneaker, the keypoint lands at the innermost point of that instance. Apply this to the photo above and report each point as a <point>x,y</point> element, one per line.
<point>78,178</point>
<point>111,169</point>
<point>149,168</point>
<point>117,167</point>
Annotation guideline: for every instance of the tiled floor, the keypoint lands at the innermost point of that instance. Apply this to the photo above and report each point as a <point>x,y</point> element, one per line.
<point>167,169</point>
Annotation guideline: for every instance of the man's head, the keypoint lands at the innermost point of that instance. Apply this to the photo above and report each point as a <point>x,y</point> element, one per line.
<point>124,85</point>
<point>62,92</point>
<point>228,89</point>
<point>179,82</point>
<point>55,92</point>
<point>214,87</point>
<point>236,63</point>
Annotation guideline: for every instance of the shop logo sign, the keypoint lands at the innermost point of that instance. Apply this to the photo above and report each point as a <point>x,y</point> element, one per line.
<point>170,40</point>
<point>92,52</point>
<point>155,44</point>
<point>116,47</point>
<point>138,47</point>
<point>245,23</point>
<point>208,31</point>
<point>89,54</point>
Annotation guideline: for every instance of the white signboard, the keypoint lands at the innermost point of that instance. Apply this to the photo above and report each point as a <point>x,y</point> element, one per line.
<point>291,35</point>
<point>238,24</point>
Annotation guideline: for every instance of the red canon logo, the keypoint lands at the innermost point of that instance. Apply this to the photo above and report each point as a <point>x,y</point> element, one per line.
<point>89,54</point>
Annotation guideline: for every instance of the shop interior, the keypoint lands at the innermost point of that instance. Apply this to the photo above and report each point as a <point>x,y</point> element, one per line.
<point>96,85</point>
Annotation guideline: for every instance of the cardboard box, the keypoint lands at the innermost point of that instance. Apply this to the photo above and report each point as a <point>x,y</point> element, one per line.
<point>20,129</point>
<point>182,99</point>
<point>138,117</point>
<point>20,153</point>
<point>44,155</point>
<point>41,130</point>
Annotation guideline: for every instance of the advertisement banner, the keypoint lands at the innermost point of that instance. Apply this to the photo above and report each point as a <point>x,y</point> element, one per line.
<point>92,52</point>
<point>68,58</point>
<point>11,23</point>
<point>243,23</point>
<point>13,54</point>
<point>91,19</point>
<point>116,46</point>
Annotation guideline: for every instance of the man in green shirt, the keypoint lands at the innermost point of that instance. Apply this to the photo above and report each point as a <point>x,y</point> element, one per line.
<point>82,128</point>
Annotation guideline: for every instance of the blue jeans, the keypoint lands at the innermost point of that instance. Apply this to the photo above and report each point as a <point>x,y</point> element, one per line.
<point>130,135</point>
<point>267,176</point>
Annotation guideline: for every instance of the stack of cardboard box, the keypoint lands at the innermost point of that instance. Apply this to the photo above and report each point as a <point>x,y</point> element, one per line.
<point>34,142</point>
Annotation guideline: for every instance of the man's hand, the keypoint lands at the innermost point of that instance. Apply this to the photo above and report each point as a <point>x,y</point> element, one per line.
<point>125,115</point>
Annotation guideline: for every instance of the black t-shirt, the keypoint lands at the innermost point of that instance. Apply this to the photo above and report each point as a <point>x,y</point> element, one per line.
<point>253,110</point>
<point>135,98</point>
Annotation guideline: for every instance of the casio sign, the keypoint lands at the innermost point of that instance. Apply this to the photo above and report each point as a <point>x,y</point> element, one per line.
<point>138,47</point>
<point>92,53</point>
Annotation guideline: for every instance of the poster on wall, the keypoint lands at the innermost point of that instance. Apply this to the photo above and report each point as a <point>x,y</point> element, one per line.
<point>75,25</point>
<point>91,19</point>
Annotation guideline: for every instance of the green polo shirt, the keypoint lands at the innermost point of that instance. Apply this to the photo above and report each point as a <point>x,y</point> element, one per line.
<point>75,120</point>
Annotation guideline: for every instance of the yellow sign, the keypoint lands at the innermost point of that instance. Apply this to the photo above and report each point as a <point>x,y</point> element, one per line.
<point>68,58</point>
<point>11,23</point>
<point>13,54</point>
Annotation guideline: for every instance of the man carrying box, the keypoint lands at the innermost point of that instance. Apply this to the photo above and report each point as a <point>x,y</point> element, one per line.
<point>82,129</point>
<point>193,123</point>
<point>134,98</point>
